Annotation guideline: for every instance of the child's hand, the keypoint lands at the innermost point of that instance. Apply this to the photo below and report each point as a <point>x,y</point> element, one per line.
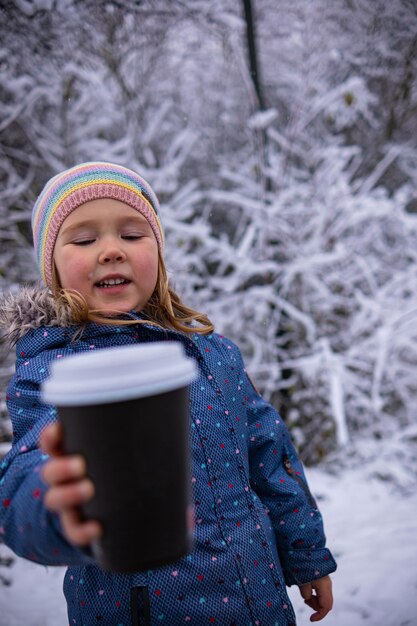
<point>69,487</point>
<point>320,601</point>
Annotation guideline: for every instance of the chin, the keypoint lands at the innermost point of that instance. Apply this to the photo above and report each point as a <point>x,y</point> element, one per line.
<point>110,310</point>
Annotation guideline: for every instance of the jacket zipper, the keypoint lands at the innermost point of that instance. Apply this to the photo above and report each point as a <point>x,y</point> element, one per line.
<point>134,606</point>
<point>291,472</point>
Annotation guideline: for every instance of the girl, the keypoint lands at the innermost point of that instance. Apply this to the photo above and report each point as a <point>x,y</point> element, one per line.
<point>99,244</point>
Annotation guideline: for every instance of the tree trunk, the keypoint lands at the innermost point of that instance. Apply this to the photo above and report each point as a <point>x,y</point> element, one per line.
<point>252,53</point>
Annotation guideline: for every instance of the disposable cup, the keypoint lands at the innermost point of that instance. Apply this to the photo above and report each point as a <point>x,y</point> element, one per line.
<point>125,410</point>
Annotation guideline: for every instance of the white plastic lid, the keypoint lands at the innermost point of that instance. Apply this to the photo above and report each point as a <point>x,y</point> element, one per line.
<point>115,374</point>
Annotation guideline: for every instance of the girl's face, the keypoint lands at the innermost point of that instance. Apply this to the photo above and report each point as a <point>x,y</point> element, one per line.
<point>106,250</point>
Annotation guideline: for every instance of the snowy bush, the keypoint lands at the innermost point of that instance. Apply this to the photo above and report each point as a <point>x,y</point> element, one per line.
<point>294,227</point>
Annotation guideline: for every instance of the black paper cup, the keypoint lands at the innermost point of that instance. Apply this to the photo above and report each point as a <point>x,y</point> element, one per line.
<point>126,411</point>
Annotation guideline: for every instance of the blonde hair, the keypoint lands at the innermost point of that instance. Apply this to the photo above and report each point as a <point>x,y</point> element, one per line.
<point>164,308</point>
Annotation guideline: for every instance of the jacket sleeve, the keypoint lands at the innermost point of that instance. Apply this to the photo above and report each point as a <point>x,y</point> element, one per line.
<point>277,476</point>
<point>26,526</point>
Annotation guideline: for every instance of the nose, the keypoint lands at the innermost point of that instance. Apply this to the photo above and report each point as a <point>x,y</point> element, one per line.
<point>112,253</point>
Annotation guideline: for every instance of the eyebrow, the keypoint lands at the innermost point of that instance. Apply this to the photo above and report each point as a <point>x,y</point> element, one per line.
<point>138,219</point>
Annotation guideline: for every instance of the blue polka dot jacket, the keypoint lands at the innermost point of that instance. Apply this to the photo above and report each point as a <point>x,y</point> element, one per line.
<point>257,526</point>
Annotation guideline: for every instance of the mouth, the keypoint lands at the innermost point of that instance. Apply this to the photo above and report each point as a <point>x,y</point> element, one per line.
<point>111,282</point>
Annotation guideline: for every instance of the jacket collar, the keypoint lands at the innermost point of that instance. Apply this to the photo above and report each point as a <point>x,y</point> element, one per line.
<point>30,308</point>
<point>34,307</point>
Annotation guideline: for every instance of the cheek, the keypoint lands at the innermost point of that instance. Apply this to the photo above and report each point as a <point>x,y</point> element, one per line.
<point>147,263</point>
<point>153,272</point>
<point>73,272</point>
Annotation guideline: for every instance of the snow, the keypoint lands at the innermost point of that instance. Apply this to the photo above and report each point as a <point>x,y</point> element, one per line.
<point>262,119</point>
<point>371,529</point>
<point>372,532</point>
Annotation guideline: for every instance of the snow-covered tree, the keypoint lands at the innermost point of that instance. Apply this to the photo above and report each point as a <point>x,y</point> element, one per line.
<point>294,226</point>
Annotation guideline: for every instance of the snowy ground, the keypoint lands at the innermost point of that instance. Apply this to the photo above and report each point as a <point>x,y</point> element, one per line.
<point>371,528</point>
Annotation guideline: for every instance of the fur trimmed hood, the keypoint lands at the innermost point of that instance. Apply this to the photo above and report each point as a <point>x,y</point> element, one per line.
<point>31,307</point>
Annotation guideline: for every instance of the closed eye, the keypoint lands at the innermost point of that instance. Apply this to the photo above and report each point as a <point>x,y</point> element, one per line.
<point>83,242</point>
<point>131,237</point>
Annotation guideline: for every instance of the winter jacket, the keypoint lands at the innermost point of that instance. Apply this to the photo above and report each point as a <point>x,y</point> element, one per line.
<point>257,526</point>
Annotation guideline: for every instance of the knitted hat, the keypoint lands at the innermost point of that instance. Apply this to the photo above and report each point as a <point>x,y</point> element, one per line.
<point>89,181</point>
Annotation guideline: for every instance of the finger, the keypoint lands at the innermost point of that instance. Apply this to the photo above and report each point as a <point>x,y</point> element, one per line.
<point>64,469</point>
<point>78,531</point>
<point>321,614</point>
<point>313,603</point>
<point>69,495</point>
<point>306,591</point>
<point>51,439</point>
<point>322,603</point>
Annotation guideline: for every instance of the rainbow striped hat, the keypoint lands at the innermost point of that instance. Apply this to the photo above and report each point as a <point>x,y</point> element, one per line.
<point>89,181</point>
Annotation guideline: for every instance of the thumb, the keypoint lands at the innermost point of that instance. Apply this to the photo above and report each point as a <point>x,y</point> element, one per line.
<point>50,440</point>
